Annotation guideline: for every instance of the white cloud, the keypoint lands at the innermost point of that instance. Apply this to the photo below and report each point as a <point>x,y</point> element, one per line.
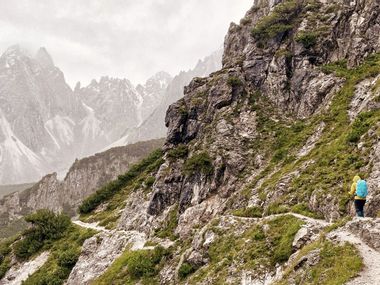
<point>121,38</point>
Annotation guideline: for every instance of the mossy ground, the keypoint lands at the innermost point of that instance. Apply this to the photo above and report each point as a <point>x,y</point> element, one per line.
<point>337,264</point>
<point>260,247</point>
<point>135,267</point>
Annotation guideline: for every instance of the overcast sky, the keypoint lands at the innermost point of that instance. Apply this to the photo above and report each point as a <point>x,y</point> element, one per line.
<point>120,38</point>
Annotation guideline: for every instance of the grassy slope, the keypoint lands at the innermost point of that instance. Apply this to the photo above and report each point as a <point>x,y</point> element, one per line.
<point>336,155</point>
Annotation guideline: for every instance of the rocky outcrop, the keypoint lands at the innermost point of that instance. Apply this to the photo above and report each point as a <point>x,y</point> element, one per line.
<point>367,229</point>
<point>84,178</point>
<point>19,272</point>
<point>100,251</point>
<point>365,96</point>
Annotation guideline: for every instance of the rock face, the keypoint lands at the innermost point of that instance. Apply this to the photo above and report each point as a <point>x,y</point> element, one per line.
<point>368,230</point>
<point>152,126</point>
<point>280,72</point>
<point>20,272</point>
<point>84,178</point>
<point>100,251</point>
<point>116,104</point>
<point>37,115</point>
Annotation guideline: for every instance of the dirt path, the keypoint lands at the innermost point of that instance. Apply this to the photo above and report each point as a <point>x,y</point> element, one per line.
<point>299,216</point>
<point>139,238</point>
<point>93,226</point>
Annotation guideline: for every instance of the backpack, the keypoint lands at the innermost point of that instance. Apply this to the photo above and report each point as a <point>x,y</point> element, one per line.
<point>361,189</point>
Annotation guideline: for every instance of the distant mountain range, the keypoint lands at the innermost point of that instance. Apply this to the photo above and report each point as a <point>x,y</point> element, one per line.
<point>45,125</point>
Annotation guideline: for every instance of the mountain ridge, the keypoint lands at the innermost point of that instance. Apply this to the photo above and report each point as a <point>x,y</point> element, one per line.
<point>45,124</point>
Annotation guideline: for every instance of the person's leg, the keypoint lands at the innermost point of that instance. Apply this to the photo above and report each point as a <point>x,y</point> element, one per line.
<point>358,208</point>
<point>363,207</point>
<point>359,205</point>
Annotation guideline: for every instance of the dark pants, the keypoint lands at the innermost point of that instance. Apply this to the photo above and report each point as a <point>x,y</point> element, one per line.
<point>359,207</point>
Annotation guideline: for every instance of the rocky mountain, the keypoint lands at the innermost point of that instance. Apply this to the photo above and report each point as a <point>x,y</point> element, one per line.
<point>45,125</point>
<point>38,113</point>
<point>152,126</point>
<point>84,177</point>
<point>251,184</point>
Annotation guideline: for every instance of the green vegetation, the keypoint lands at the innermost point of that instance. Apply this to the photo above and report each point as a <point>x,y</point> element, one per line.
<point>170,224</point>
<point>46,227</point>
<point>307,39</point>
<point>234,82</point>
<point>277,208</point>
<point>47,232</point>
<point>249,212</point>
<point>185,270</point>
<point>281,20</point>
<point>254,249</point>
<point>337,265</point>
<point>361,125</point>
<point>5,258</point>
<point>303,209</point>
<point>180,151</point>
<point>200,162</point>
<point>149,181</point>
<point>336,157</point>
<point>132,267</point>
<point>108,191</point>
<point>64,254</point>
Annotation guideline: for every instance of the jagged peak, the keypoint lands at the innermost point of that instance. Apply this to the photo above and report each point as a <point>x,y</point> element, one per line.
<point>44,58</point>
<point>162,78</point>
<point>15,51</point>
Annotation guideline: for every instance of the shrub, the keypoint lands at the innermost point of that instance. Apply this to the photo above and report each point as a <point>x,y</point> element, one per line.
<point>281,20</point>
<point>46,226</point>
<point>180,151</point>
<point>200,162</point>
<point>108,191</point>
<point>282,232</point>
<point>185,270</point>
<point>5,258</point>
<point>63,256</point>
<point>303,209</point>
<point>149,181</point>
<point>360,126</point>
<point>252,212</point>
<point>68,258</point>
<point>307,39</point>
<point>234,82</point>
<point>132,266</point>
<point>167,231</point>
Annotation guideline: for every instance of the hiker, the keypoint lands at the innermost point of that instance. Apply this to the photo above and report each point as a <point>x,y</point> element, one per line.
<point>360,190</point>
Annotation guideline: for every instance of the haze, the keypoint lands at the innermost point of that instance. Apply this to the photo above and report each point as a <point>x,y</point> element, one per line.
<point>120,38</point>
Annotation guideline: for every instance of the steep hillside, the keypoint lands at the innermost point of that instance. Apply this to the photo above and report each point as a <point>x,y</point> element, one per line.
<point>84,177</point>
<point>251,184</point>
